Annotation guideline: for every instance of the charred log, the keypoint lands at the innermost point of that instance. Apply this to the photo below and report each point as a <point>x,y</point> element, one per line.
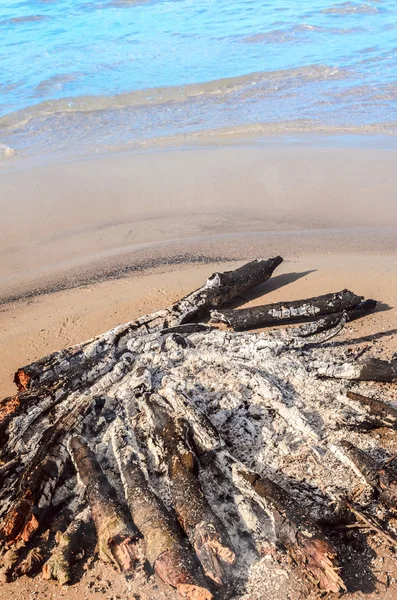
<point>117,537</point>
<point>383,414</point>
<point>165,548</point>
<point>302,538</point>
<point>369,369</point>
<point>219,289</point>
<point>381,478</point>
<point>271,314</point>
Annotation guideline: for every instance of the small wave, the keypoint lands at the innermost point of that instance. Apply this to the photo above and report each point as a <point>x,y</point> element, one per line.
<point>289,35</point>
<point>245,84</point>
<point>6,152</point>
<point>351,8</point>
<point>27,19</point>
<point>54,83</point>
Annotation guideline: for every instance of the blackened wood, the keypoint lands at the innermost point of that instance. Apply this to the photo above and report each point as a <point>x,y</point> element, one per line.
<point>375,369</point>
<point>76,361</point>
<point>270,314</point>
<point>383,413</point>
<point>296,531</point>
<point>381,477</point>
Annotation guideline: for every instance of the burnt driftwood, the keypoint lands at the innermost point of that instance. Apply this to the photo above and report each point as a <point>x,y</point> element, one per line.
<point>219,289</point>
<point>382,413</point>
<point>368,369</point>
<point>171,436</point>
<point>272,314</point>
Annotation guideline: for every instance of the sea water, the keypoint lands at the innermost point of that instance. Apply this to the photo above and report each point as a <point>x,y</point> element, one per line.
<point>92,75</point>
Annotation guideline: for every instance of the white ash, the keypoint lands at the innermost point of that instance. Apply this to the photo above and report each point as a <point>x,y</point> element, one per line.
<point>272,413</point>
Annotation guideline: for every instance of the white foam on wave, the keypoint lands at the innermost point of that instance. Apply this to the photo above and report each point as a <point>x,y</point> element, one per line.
<point>6,152</point>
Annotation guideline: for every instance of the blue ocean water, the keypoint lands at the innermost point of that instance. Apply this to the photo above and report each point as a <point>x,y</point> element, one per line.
<point>98,74</point>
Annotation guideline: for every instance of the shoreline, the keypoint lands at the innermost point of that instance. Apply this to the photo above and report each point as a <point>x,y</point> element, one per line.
<point>73,223</point>
<point>219,248</point>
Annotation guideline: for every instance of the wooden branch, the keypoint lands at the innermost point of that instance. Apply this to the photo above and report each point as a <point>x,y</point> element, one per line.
<point>219,289</point>
<point>58,565</point>
<point>117,536</point>
<point>369,369</point>
<point>381,478</point>
<point>165,548</point>
<point>302,538</point>
<point>203,528</point>
<point>332,321</point>
<point>363,462</point>
<point>384,414</point>
<point>271,314</point>
<point>370,523</point>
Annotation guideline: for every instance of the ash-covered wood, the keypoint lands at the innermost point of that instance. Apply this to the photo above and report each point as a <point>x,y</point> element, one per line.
<point>383,413</point>
<point>197,452</point>
<point>381,477</point>
<point>369,369</point>
<point>271,314</point>
<point>299,534</point>
<point>104,350</point>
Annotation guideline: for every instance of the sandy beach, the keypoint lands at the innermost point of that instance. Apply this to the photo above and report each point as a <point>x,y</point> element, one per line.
<point>163,163</point>
<point>90,244</point>
<point>71,223</point>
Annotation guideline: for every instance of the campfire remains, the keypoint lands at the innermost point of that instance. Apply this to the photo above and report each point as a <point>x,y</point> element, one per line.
<point>193,446</point>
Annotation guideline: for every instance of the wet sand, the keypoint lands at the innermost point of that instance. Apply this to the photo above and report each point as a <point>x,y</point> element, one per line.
<point>77,222</point>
